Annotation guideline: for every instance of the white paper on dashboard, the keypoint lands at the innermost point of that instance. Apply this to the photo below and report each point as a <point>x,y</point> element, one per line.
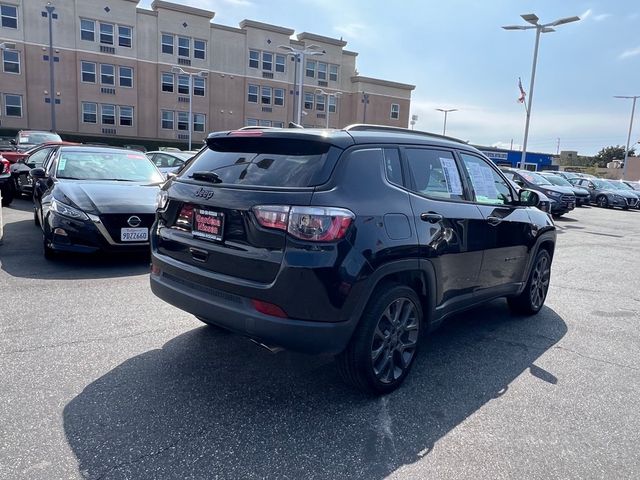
<point>451,176</point>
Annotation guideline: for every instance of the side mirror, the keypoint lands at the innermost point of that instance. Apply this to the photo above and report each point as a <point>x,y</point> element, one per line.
<point>37,173</point>
<point>169,175</point>
<point>528,198</point>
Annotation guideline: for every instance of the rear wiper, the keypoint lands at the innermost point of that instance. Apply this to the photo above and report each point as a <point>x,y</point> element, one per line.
<point>206,176</point>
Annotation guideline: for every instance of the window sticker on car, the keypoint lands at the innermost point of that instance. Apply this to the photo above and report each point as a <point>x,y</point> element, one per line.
<point>482,180</point>
<point>451,176</point>
<point>62,164</point>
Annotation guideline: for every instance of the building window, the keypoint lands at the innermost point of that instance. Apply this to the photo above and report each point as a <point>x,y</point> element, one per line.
<point>126,116</point>
<point>184,47</point>
<point>322,71</point>
<point>167,119</point>
<point>13,105</point>
<point>199,86</point>
<point>281,63</point>
<point>89,112</point>
<point>107,74</point>
<point>167,82</point>
<point>252,122</point>
<point>278,124</point>
<point>320,103</point>
<point>308,101</point>
<point>254,59</point>
<point>333,73</point>
<point>199,49</point>
<point>106,33</point>
<point>278,96</point>
<point>183,121</point>
<point>11,61</point>
<point>198,122</point>
<point>267,61</point>
<point>264,123</point>
<point>108,114</point>
<point>252,97</point>
<point>311,69</point>
<point>395,111</point>
<point>88,72</point>
<point>331,101</point>
<point>124,36</point>
<point>9,15</point>
<point>265,97</point>
<point>88,30</point>
<point>183,84</point>
<point>125,75</point>
<point>167,44</point>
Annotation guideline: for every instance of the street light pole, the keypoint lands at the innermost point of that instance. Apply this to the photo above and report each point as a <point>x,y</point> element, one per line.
<point>299,54</point>
<point>335,95</point>
<point>201,74</point>
<point>446,112</point>
<point>52,81</point>
<point>540,28</point>
<point>626,152</point>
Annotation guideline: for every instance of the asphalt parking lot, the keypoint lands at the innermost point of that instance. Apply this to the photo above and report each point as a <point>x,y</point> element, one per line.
<point>101,380</point>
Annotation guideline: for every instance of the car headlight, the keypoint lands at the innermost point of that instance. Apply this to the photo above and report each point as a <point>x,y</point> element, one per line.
<point>552,194</point>
<point>161,199</point>
<point>68,211</point>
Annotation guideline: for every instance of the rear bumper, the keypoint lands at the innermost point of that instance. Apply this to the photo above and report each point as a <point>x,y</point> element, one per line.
<point>237,314</point>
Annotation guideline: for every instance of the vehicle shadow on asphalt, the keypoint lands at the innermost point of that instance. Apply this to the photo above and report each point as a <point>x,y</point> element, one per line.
<point>210,404</point>
<point>21,256</point>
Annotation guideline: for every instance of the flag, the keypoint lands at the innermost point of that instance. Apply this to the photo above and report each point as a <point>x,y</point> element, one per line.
<point>522,93</point>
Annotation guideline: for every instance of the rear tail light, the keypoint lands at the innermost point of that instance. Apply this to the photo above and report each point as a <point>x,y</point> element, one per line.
<point>315,224</point>
<point>185,218</point>
<point>6,166</point>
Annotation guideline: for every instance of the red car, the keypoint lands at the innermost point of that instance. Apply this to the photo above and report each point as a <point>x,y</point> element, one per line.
<point>17,155</point>
<point>6,184</point>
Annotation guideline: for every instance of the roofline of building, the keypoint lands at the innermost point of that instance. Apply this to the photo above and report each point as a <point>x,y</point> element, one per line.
<point>507,150</point>
<point>156,4</point>
<point>382,83</point>
<point>321,38</point>
<point>296,42</point>
<point>349,52</point>
<point>146,11</point>
<point>266,26</point>
<point>226,28</point>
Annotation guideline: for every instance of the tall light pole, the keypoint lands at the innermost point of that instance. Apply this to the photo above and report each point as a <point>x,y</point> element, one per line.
<point>414,120</point>
<point>201,74</point>
<point>299,54</point>
<point>446,112</point>
<point>335,95</point>
<point>633,110</point>
<point>52,80</point>
<point>544,28</point>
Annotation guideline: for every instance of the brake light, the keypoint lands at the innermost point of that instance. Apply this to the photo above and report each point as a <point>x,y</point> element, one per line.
<point>315,224</point>
<point>268,308</point>
<point>185,218</point>
<point>246,133</point>
<point>6,166</point>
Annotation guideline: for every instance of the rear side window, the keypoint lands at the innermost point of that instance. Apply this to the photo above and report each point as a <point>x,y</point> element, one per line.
<point>392,166</point>
<point>264,162</point>
<point>434,173</point>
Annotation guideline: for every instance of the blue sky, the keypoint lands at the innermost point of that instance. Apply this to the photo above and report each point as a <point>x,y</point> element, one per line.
<point>457,55</point>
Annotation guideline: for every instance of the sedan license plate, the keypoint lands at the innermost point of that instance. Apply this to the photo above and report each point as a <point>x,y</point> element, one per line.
<point>134,234</point>
<point>208,224</point>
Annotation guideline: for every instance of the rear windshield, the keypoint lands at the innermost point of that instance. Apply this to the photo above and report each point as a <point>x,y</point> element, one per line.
<point>31,138</point>
<point>265,163</point>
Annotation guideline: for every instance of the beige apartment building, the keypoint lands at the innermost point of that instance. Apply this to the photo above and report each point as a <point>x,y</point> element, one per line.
<point>114,78</point>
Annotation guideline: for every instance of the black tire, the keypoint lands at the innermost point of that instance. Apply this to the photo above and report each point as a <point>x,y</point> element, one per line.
<point>36,218</point>
<point>49,253</point>
<point>602,201</point>
<point>7,194</point>
<point>532,298</point>
<point>557,215</point>
<point>377,359</point>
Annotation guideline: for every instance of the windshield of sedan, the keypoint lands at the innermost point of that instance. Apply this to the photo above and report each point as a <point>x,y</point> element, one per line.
<point>115,166</point>
<point>557,180</point>
<point>534,178</point>
<point>616,186</point>
<point>38,138</point>
<point>601,184</point>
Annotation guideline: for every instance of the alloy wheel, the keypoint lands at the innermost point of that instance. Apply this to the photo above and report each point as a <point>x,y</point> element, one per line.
<point>395,340</point>
<point>540,282</point>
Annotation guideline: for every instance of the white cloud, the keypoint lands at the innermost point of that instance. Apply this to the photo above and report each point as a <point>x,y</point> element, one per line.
<point>586,14</point>
<point>350,30</point>
<point>602,16</point>
<point>507,145</point>
<point>632,52</point>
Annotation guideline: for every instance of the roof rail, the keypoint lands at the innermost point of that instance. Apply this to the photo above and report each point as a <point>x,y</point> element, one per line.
<point>364,127</point>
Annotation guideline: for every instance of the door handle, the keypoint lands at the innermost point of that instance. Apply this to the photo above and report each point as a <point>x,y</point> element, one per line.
<point>494,221</point>
<point>431,217</point>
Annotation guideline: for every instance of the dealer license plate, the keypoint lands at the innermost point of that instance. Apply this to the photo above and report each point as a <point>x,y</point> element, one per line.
<point>208,224</point>
<point>134,234</point>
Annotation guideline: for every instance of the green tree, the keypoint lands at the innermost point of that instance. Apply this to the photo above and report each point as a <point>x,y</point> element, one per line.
<point>607,154</point>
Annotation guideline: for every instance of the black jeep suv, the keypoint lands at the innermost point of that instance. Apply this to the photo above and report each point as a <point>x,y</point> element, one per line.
<point>350,242</point>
